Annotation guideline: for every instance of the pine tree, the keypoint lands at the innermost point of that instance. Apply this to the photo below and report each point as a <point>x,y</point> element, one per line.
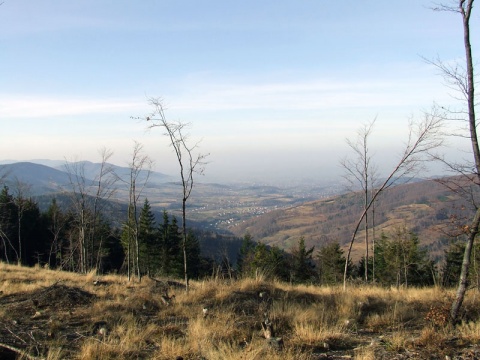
<point>453,264</point>
<point>400,260</point>
<point>171,256</point>
<point>245,256</point>
<point>302,262</point>
<point>148,240</point>
<point>33,235</point>
<point>115,255</point>
<point>56,225</point>
<point>331,263</point>
<point>193,256</point>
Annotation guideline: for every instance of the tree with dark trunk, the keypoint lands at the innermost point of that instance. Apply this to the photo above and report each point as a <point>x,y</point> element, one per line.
<point>189,161</point>
<point>461,77</point>
<point>360,171</point>
<point>140,165</point>
<point>423,138</point>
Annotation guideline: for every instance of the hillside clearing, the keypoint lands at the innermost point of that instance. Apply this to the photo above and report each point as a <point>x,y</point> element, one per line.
<point>56,315</point>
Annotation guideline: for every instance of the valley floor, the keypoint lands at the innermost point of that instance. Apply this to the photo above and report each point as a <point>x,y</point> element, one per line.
<point>47,314</point>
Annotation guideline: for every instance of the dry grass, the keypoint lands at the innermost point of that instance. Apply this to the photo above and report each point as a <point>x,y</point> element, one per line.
<point>309,321</point>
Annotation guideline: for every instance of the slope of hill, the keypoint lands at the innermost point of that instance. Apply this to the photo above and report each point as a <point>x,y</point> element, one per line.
<point>424,207</point>
<point>40,179</point>
<point>91,171</point>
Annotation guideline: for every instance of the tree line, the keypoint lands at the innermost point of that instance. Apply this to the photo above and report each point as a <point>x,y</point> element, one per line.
<point>50,238</point>
<point>398,260</point>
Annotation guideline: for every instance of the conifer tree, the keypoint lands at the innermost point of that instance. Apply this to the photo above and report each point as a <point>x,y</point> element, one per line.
<point>245,256</point>
<point>193,255</point>
<point>401,261</point>
<point>331,262</point>
<point>57,225</point>
<point>148,239</point>
<point>171,258</point>
<point>302,262</point>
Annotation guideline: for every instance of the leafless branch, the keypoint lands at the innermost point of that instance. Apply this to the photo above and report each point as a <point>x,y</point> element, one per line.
<point>423,138</point>
<point>189,161</point>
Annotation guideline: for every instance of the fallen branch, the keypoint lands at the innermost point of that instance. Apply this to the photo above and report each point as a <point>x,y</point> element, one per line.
<point>21,352</point>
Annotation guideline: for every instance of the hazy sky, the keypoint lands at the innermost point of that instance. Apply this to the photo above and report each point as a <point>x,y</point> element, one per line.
<point>272,87</point>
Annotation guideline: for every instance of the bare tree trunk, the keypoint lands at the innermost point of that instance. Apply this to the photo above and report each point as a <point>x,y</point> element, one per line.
<point>76,174</point>
<point>187,162</point>
<point>423,138</point>
<point>140,164</point>
<point>184,245</point>
<point>366,243</point>
<point>359,170</point>
<point>105,182</point>
<point>83,247</point>
<point>463,279</point>
<point>465,9</point>
<point>6,240</point>
<point>22,205</point>
<point>373,241</point>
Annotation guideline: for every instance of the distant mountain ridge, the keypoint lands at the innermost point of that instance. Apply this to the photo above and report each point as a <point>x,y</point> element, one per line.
<point>43,179</point>
<point>40,179</point>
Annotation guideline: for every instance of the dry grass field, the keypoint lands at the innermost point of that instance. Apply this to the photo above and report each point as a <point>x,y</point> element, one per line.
<point>47,314</point>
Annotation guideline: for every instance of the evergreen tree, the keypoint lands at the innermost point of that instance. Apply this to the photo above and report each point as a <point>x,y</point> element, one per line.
<point>106,244</point>
<point>302,262</point>
<point>171,256</point>
<point>193,256</point>
<point>56,224</point>
<point>127,239</point>
<point>267,261</point>
<point>34,235</point>
<point>279,263</point>
<point>331,263</point>
<point>245,256</point>
<point>453,263</point>
<point>115,256</point>
<point>148,238</point>
<point>401,261</point>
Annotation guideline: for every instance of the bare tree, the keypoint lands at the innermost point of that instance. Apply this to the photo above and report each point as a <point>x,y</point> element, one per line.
<point>22,204</point>
<point>87,197</point>
<point>189,160</point>
<point>79,195</point>
<point>5,223</point>
<point>360,171</point>
<point>423,137</point>
<point>139,165</point>
<point>105,188</point>
<point>461,78</point>
<point>57,225</point>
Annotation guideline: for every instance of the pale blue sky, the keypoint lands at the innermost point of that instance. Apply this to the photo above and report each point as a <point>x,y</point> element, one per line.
<point>272,87</point>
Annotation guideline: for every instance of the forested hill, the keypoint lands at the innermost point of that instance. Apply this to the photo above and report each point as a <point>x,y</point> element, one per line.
<point>426,208</point>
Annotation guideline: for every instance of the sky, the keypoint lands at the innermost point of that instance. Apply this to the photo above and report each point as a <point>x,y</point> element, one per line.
<point>270,89</point>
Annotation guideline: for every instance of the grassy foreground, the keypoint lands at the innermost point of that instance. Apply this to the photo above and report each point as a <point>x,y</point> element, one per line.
<point>47,314</point>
